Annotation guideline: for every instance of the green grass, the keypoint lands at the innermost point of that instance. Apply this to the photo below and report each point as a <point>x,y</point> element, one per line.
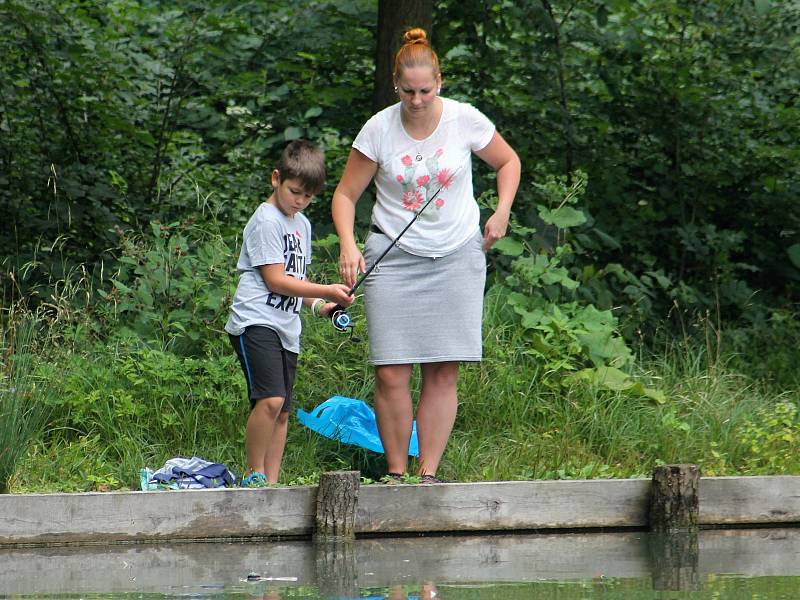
<point>23,396</point>
<point>122,404</point>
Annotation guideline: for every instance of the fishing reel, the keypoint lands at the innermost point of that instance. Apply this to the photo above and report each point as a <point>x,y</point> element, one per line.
<point>340,319</point>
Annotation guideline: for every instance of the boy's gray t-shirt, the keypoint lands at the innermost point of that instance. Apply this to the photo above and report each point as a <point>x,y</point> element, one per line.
<point>271,237</point>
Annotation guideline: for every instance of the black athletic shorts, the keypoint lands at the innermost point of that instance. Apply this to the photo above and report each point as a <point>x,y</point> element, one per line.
<point>268,368</point>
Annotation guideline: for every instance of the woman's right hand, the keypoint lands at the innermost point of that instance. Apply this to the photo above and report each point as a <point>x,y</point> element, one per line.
<point>351,263</point>
<point>358,172</point>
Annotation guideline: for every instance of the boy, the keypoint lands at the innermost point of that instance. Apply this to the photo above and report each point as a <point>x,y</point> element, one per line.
<point>264,324</point>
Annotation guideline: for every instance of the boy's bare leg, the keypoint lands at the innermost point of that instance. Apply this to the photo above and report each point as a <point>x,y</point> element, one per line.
<point>394,413</point>
<point>436,413</point>
<point>277,442</point>
<point>259,431</point>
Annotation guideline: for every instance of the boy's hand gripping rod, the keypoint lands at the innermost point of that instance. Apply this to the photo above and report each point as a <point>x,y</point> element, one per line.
<point>340,318</point>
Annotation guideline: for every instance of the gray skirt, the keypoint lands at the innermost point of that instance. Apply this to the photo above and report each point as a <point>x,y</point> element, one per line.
<point>421,309</point>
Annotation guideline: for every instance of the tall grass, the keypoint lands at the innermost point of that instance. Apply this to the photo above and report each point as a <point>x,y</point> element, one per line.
<point>23,395</point>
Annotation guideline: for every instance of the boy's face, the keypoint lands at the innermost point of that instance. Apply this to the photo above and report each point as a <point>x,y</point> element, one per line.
<point>290,195</point>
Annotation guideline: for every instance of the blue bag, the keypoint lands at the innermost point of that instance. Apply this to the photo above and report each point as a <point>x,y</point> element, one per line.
<point>350,422</point>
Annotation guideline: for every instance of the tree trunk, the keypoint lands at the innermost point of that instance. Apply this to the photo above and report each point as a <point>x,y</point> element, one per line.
<point>394,17</point>
<point>566,117</point>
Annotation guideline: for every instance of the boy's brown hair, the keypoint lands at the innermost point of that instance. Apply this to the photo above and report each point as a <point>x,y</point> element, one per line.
<point>305,162</point>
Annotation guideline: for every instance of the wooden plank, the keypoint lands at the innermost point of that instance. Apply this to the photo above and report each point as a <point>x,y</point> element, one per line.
<point>146,516</point>
<point>500,558</point>
<point>514,505</point>
<point>487,506</point>
<point>749,500</point>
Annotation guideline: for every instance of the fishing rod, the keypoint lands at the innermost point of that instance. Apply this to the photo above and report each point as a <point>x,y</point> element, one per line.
<point>340,318</point>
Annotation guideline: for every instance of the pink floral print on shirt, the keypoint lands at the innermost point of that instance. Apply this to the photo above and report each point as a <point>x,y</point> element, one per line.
<point>416,190</point>
<point>412,199</point>
<point>445,178</point>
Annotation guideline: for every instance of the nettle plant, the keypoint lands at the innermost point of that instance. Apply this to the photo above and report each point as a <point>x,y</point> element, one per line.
<point>576,340</point>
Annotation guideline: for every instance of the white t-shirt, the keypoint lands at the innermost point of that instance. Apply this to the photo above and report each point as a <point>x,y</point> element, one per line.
<point>411,171</point>
<point>270,237</point>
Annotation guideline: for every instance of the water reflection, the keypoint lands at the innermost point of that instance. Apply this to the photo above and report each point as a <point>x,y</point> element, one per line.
<point>612,565</point>
<point>675,560</point>
<point>426,591</point>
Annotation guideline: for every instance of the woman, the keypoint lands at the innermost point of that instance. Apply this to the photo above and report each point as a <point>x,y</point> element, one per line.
<point>424,301</point>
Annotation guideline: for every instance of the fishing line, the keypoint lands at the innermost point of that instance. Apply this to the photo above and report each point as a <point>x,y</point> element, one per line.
<point>340,318</point>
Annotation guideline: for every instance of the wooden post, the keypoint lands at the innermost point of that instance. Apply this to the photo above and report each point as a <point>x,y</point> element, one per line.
<point>674,499</point>
<point>337,498</point>
<point>673,516</point>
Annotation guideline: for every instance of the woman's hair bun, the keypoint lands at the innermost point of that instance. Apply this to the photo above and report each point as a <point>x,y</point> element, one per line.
<point>416,35</point>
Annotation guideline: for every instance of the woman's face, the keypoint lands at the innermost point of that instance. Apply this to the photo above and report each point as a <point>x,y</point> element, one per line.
<point>418,88</point>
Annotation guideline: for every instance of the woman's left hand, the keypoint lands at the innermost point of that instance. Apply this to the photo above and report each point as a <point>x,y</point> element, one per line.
<point>502,158</point>
<point>495,228</point>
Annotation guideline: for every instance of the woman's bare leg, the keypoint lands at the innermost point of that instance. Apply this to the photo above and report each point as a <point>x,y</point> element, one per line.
<point>436,413</point>
<point>394,413</point>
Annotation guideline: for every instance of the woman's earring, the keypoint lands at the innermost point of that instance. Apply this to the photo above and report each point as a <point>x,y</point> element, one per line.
<point>439,91</point>
<point>395,89</point>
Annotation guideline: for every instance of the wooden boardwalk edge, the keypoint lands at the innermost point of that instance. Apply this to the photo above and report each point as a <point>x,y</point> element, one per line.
<point>114,517</point>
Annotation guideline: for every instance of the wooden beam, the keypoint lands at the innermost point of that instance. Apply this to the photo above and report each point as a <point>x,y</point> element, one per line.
<point>749,500</point>
<point>487,506</point>
<point>511,505</point>
<point>150,516</point>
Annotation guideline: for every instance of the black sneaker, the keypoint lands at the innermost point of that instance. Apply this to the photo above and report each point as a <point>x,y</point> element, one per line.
<point>392,478</point>
<point>429,479</point>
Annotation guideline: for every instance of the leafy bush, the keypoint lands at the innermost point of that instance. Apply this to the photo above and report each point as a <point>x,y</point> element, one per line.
<point>567,334</point>
<point>772,439</point>
<point>172,288</point>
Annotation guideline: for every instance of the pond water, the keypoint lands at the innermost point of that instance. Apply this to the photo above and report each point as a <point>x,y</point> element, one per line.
<point>738,564</point>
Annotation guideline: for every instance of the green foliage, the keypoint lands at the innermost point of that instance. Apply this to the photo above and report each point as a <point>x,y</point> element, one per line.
<point>122,405</point>
<point>117,114</point>
<point>172,288</point>
<point>509,409</point>
<point>575,341</point>
<point>23,395</point>
<point>767,347</point>
<point>683,117</point>
<point>772,438</point>
<point>137,138</point>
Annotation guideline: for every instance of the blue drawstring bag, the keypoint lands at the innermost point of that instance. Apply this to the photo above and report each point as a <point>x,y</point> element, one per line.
<point>350,422</point>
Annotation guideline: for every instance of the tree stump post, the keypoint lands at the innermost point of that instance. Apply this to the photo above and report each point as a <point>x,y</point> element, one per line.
<point>337,498</point>
<point>673,516</point>
<point>675,499</point>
